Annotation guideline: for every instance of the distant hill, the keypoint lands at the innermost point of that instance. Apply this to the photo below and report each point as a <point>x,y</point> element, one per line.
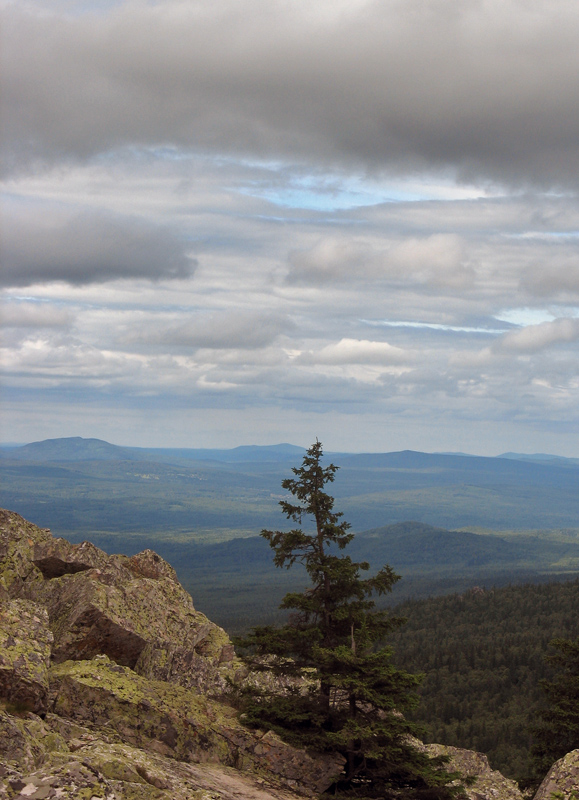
<point>539,457</point>
<point>236,583</point>
<point>73,448</point>
<point>275,453</point>
<point>415,546</point>
<point>88,485</point>
<point>76,448</point>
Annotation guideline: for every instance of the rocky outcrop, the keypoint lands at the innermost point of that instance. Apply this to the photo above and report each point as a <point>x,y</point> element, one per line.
<point>562,780</point>
<point>107,655</point>
<point>132,609</point>
<point>56,758</point>
<point>113,686</point>
<point>18,539</point>
<point>167,719</point>
<point>488,784</point>
<point>25,642</point>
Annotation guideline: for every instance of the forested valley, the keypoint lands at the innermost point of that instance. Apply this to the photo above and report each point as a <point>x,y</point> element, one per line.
<point>483,657</point>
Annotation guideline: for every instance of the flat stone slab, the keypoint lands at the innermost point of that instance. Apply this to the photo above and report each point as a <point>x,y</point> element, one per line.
<point>177,723</point>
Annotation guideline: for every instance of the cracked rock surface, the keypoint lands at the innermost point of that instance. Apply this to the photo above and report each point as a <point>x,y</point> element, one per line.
<point>111,684</point>
<point>562,780</point>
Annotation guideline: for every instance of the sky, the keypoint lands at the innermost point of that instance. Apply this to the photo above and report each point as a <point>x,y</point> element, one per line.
<point>231,222</point>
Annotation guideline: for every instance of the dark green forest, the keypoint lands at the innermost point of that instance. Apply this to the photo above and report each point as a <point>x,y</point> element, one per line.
<point>483,657</point>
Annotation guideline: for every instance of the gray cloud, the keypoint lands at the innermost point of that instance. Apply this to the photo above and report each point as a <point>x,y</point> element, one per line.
<point>438,260</point>
<point>554,276</point>
<point>487,88</point>
<point>34,315</point>
<point>218,331</point>
<point>46,245</point>
<point>535,338</point>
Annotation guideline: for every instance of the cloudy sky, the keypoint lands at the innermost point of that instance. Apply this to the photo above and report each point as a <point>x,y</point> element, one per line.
<point>228,222</point>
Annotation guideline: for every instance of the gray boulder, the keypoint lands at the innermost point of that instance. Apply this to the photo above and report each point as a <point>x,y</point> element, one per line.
<point>131,609</point>
<point>562,780</point>
<point>489,784</point>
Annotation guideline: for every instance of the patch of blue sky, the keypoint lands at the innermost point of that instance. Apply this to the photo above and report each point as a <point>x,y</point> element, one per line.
<point>95,305</point>
<point>436,326</point>
<point>25,298</point>
<point>333,193</point>
<point>77,8</point>
<point>544,235</point>
<point>296,186</point>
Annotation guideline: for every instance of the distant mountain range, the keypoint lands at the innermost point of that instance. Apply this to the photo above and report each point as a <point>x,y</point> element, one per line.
<point>89,485</point>
<point>475,520</point>
<point>75,448</point>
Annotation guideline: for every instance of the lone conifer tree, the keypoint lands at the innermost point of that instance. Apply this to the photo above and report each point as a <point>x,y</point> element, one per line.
<point>350,698</point>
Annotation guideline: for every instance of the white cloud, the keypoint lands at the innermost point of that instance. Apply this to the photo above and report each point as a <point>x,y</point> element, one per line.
<point>357,351</point>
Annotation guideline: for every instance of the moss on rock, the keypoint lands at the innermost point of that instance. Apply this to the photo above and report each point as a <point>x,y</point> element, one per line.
<point>179,723</point>
<point>562,780</point>
<point>18,537</point>
<point>25,642</point>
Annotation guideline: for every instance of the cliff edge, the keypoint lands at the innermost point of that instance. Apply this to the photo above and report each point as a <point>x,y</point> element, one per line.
<point>113,686</point>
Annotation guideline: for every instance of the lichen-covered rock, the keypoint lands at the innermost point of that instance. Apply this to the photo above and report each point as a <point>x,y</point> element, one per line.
<point>16,749</point>
<point>26,741</point>
<point>25,642</point>
<point>178,723</point>
<point>18,538</point>
<point>489,784</point>
<point>562,780</point>
<point>57,557</point>
<point>89,765</point>
<point>132,609</point>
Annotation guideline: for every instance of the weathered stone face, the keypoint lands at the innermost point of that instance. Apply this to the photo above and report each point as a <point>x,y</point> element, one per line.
<point>177,723</point>
<point>17,541</point>
<point>59,759</point>
<point>562,780</point>
<point>57,557</point>
<point>25,642</point>
<point>146,623</point>
<point>489,784</point>
<point>132,609</point>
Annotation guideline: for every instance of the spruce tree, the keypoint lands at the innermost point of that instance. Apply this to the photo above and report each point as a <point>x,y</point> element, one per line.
<point>558,730</point>
<point>341,692</point>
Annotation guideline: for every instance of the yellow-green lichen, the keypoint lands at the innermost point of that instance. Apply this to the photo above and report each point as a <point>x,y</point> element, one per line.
<point>138,791</point>
<point>145,712</point>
